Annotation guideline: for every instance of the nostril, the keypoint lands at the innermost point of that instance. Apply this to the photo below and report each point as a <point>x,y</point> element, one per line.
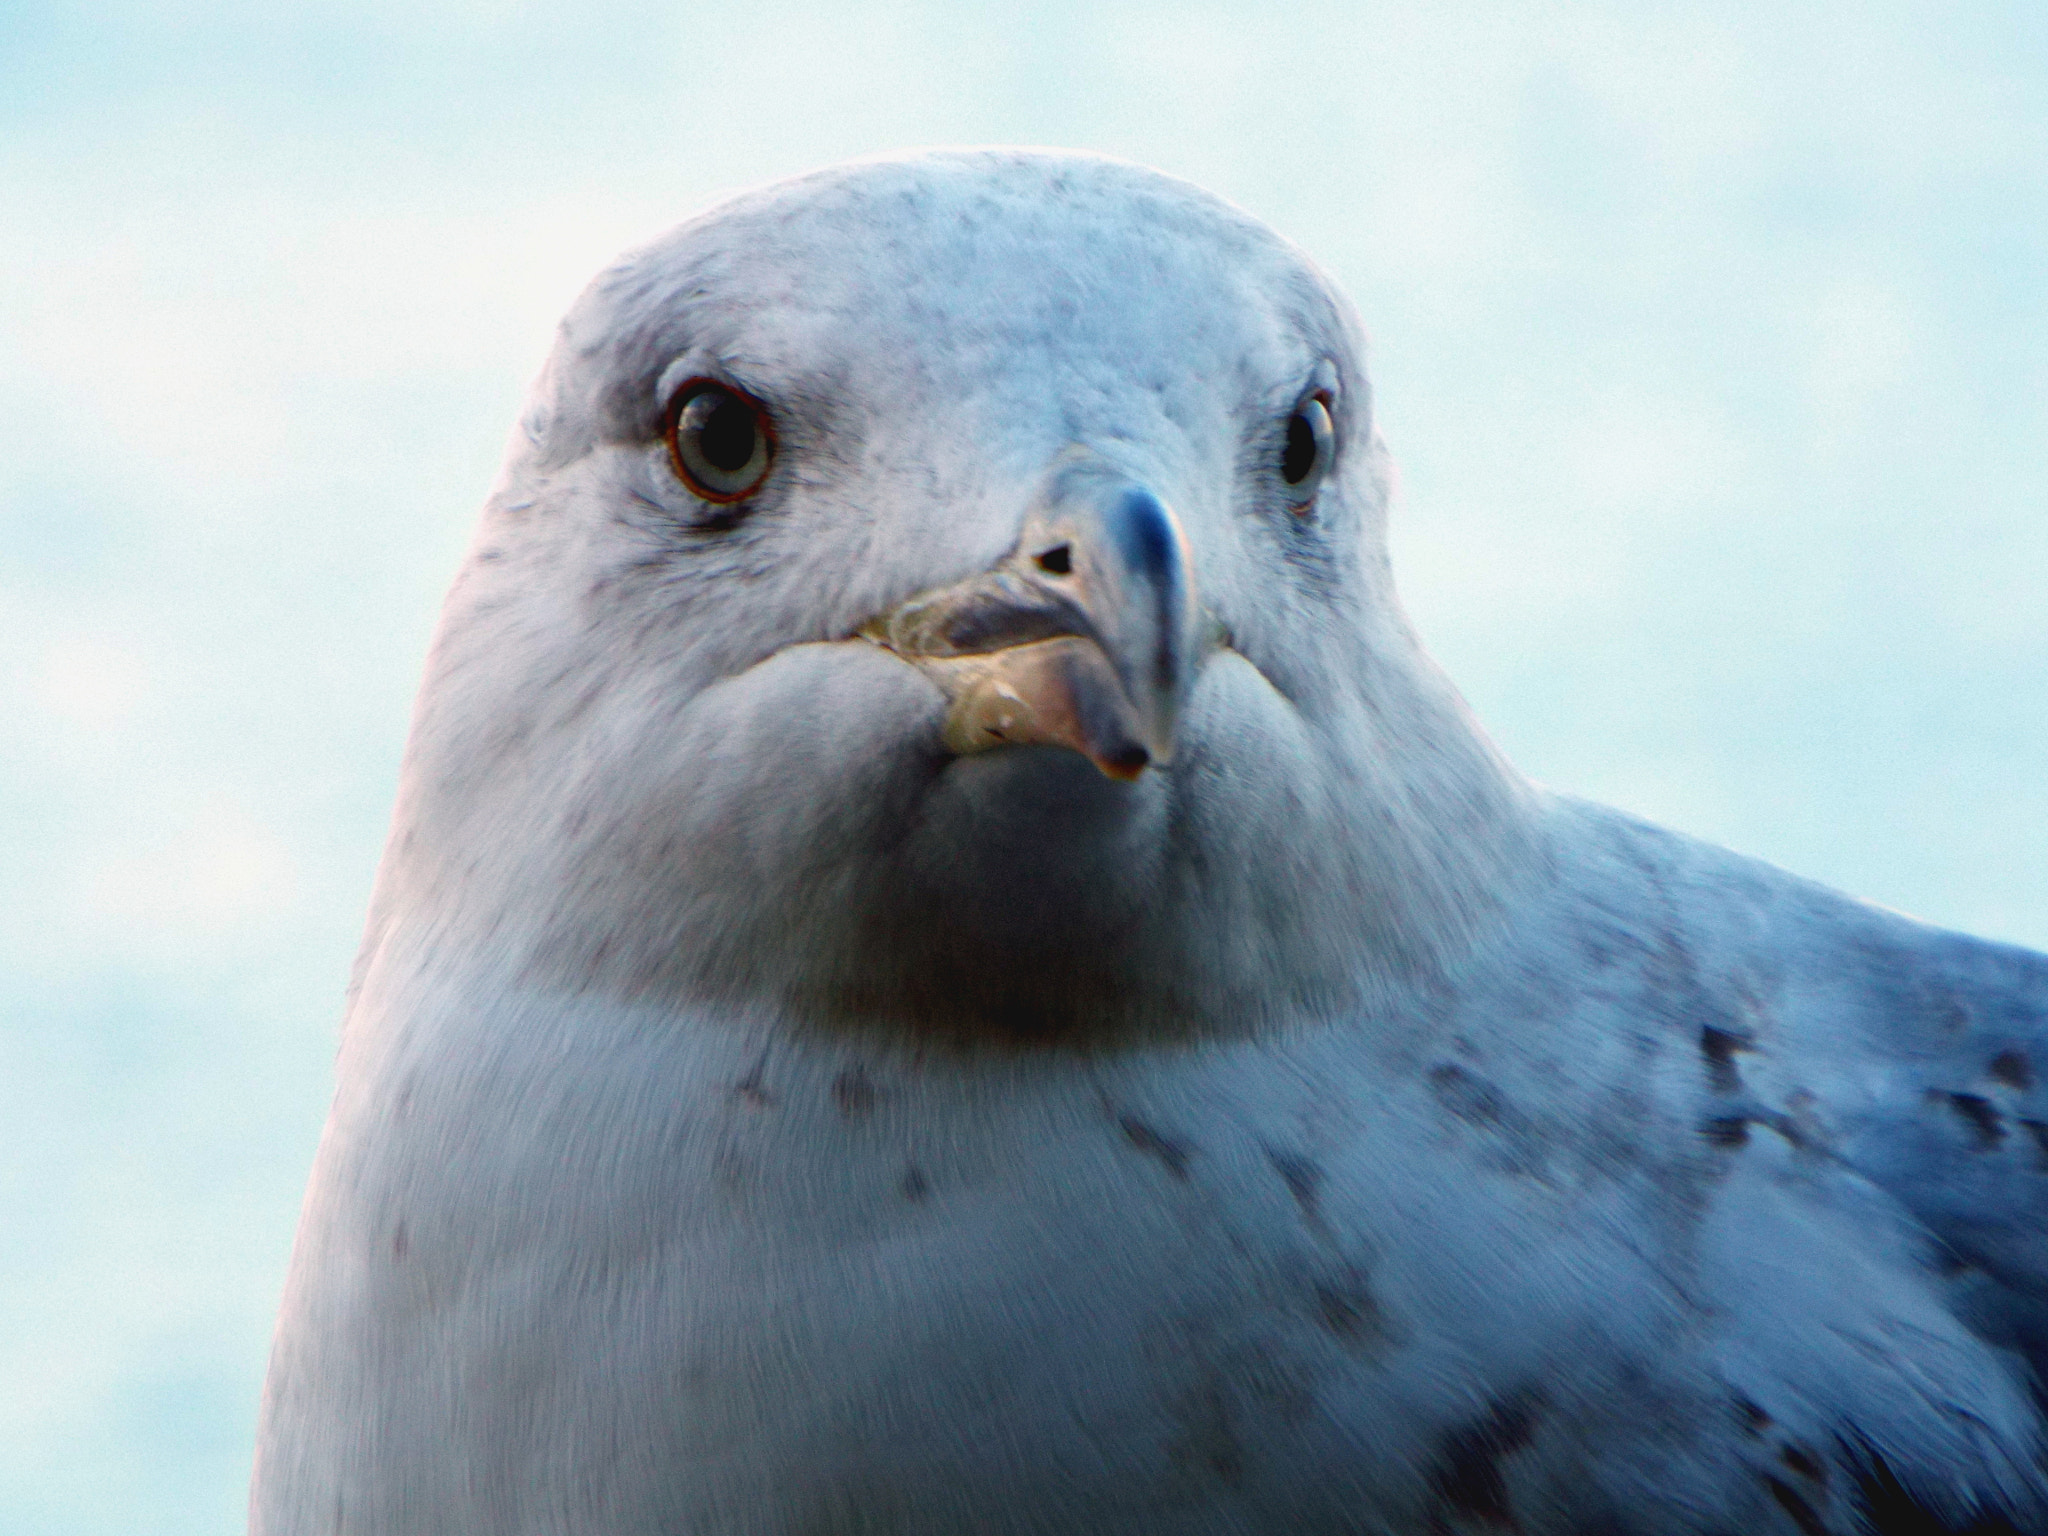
<point>1057,561</point>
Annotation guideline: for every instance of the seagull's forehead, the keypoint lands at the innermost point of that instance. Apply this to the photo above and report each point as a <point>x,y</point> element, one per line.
<point>1004,285</point>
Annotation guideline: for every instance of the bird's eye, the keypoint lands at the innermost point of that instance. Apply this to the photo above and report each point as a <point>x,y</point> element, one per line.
<point>720,441</point>
<point>1305,456</point>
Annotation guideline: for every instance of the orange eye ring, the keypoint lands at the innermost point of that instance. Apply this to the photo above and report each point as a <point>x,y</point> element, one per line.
<point>721,440</point>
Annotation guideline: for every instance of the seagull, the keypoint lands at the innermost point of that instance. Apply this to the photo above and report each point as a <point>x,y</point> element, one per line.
<point>947,963</point>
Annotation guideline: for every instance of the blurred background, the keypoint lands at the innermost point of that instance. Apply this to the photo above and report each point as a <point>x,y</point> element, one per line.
<point>1712,340</point>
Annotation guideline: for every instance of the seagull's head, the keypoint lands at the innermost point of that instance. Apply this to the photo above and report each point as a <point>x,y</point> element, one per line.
<point>952,591</point>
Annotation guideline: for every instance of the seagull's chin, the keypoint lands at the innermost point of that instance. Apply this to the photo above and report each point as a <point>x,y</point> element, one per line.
<point>806,811</point>
<point>1044,794</point>
<point>1027,815</point>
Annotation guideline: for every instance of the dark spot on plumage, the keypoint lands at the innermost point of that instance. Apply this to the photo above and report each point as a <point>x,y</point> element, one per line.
<point>1986,1124</point>
<point>1726,1131</point>
<point>1468,1476</point>
<point>915,1186</point>
<point>1599,954</point>
<point>2013,1069</point>
<point>1227,1463</point>
<point>1718,1047</point>
<point>1753,1418</point>
<point>1170,1152</point>
<point>1466,1095</point>
<point>1790,1500</point>
<point>751,1089</point>
<point>1805,1463</point>
<point>1303,1178</point>
<point>854,1093</point>
<point>1347,1307</point>
<point>1949,1261</point>
<point>1892,1509</point>
<point>399,1243</point>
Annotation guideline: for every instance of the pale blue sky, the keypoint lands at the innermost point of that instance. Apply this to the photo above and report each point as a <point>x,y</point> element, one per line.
<point>1712,339</point>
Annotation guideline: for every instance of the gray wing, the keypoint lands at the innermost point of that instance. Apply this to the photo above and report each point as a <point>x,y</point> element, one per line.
<point>1914,1061</point>
<point>1914,1055</point>
<point>1949,1112</point>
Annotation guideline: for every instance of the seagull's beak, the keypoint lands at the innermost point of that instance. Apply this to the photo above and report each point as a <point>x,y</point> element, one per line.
<point>1088,635</point>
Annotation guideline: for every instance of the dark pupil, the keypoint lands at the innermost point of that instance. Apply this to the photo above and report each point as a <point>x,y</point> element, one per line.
<point>726,438</point>
<point>1300,455</point>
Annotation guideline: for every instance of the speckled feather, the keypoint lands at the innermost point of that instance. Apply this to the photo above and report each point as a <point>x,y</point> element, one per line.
<point>751,1118</point>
